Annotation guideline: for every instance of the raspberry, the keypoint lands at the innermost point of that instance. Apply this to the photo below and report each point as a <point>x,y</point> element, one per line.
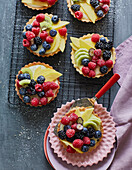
<point>97,52</point>
<point>70,149</point>
<point>62,31</point>
<point>46,86</point>
<point>73,117</point>
<point>43,101</point>
<point>49,39</point>
<point>30,35</point>
<point>18,85</point>
<point>77,143</point>
<point>105,8</point>
<point>49,93</point>
<point>85,70</point>
<point>36,24</point>
<point>65,120</point>
<point>53,85</point>
<point>26,43</point>
<point>43,35</point>
<point>36,30</point>
<point>91,73</point>
<point>70,133</point>
<point>109,63</point>
<point>40,17</point>
<point>78,14</point>
<point>91,65</point>
<point>86,140</point>
<point>95,37</point>
<point>74,126</point>
<point>34,101</point>
<point>38,87</point>
<point>106,2</point>
<point>51,2</point>
<point>95,59</point>
<point>100,62</point>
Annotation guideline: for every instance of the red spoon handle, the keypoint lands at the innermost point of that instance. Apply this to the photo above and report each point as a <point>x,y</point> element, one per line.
<point>108,85</point>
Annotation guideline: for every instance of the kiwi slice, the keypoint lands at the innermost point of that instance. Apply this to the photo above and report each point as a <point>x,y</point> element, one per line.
<point>46,24</point>
<point>24,82</point>
<point>80,120</point>
<point>27,70</point>
<point>81,50</point>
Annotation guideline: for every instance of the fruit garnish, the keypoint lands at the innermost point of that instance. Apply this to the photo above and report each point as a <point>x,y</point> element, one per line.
<point>49,93</point>
<point>35,101</point>
<point>28,27</point>
<point>91,73</point>
<point>69,149</point>
<point>84,44</point>
<point>79,126</point>
<point>46,24</point>
<point>109,63</point>
<point>62,31</point>
<point>30,35</point>
<point>38,87</point>
<point>87,114</point>
<point>85,71</point>
<point>36,24</point>
<point>98,52</point>
<point>26,43</point>
<point>27,70</point>
<point>65,120</point>
<point>62,134</point>
<point>55,19</point>
<point>24,82</point>
<point>95,37</point>
<point>78,14</point>
<point>60,24</point>
<point>85,148</point>
<point>36,30</point>
<point>80,120</point>
<point>77,143</point>
<point>70,133</point>
<point>40,17</point>
<point>101,62</point>
<point>91,65</point>
<point>103,69</point>
<point>62,45</point>
<point>75,42</point>
<point>91,52</point>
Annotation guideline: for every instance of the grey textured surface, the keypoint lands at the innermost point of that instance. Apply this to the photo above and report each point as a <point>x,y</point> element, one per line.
<point>22,130</point>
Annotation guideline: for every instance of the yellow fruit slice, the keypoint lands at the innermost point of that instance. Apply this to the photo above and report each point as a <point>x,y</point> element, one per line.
<point>88,2</point>
<point>84,44</point>
<point>75,41</point>
<point>33,2</point>
<point>74,47</point>
<point>62,44</point>
<point>87,114</point>
<point>77,112</point>
<point>85,16</point>
<point>92,44</point>
<point>68,143</point>
<point>60,24</point>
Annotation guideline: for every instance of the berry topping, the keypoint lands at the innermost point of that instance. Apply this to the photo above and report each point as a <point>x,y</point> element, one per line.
<point>105,8</point>
<point>34,47</point>
<point>94,3</point>
<point>36,30</point>
<point>62,134</point>
<point>46,86</point>
<point>79,135</point>
<point>49,39</point>
<point>46,46</point>
<point>92,142</point>
<point>85,148</point>
<point>74,126</point>
<point>38,40</point>
<point>53,85</point>
<point>26,76</point>
<point>41,94</point>
<point>77,143</point>
<point>103,40</point>
<point>43,35</point>
<point>73,117</point>
<point>35,101</point>
<point>99,45</point>
<point>28,27</point>
<point>26,43</point>
<point>98,134</point>
<point>106,55</point>
<point>94,59</point>
<point>91,65</point>
<point>75,7</point>
<point>85,61</point>
<point>30,35</point>
<point>98,52</point>
<point>103,69</point>
<point>86,140</point>
<point>70,149</point>
<point>91,132</point>
<point>80,120</point>
<point>40,79</point>
<point>18,85</point>
<point>91,52</point>
<point>97,8</point>
<point>85,130</point>
<point>100,62</point>
<point>108,45</point>
<point>43,101</point>
<point>70,139</point>
<point>91,73</point>
<point>22,91</point>
<point>38,87</point>
<point>55,19</point>
<point>106,2</point>
<point>65,120</point>
<point>95,37</point>
<point>66,127</point>
<point>85,70</point>
<point>26,99</point>
<point>100,13</point>
<point>62,31</point>
<point>42,51</point>
<point>36,24</point>
<point>40,17</point>
<point>53,33</point>
<point>20,76</point>
<point>78,14</point>
<point>70,133</point>
<point>79,126</point>
<point>32,83</point>
<point>49,93</point>
<point>51,2</point>
<point>109,63</point>
<point>24,35</point>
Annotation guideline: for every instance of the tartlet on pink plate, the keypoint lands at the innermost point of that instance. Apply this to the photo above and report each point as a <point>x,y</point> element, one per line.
<point>87,158</point>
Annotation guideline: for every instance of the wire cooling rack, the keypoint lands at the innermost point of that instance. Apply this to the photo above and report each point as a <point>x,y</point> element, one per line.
<point>73,85</point>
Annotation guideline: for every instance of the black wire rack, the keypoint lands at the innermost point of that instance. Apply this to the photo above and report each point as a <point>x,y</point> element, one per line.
<point>73,85</point>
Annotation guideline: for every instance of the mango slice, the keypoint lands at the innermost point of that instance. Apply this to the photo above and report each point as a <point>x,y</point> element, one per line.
<point>60,24</point>
<point>84,44</point>
<point>74,47</point>
<point>87,114</point>
<point>91,43</point>
<point>62,44</point>
<point>75,42</point>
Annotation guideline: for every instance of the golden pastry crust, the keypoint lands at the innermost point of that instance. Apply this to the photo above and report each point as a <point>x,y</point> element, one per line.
<point>97,76</point>
<point>29,65</point>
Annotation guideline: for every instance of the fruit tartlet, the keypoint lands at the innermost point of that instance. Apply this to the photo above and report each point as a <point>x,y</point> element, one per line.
<point>37,84</point>
<point>39,4</point>
<point>45,35</point>
<point>92,55</point>
<point>80,130</point>
<point>88,10</point>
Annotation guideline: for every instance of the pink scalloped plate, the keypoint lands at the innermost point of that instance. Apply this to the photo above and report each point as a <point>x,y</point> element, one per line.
<point>90,158</point>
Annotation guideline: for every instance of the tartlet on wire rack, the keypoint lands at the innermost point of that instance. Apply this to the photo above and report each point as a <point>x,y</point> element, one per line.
<point>45,35</point>
<point>39,4</point>
<point>92,55</point>
<point>88,10</point>
<point>37,84</point>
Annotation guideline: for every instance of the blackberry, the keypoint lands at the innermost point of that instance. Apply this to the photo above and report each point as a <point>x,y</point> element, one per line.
<point>79,135</point>
<point>91,132</point>
<point>66,127</point>
<point>103,69</point>
<point>94,3</point>
<point>99,45</point>
<point>38,40</point>
<point>70,139</point>
<point>106,55</point>
<point>22,91</point>
<point>62,134</point>
<point>108,45</point>
<point>28,90</point>
<point>75,7</point>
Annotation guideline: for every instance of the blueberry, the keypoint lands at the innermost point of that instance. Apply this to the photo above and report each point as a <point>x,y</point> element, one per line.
<point>92,142</point>
<point>94,3</point>
<point>24,35</point>
<point>46,46</point>
<point>42,51</point>
<point>34,47</point>
<point>33,91</point>
<point>40,79</point>
<point>106,55</point>
<point>100,13</point>
<point>85,61</point>
<point>98,134</point>
<point>103,40</point>
<point>97,8</point>
<point>26,76</point>
<point>38,40</point>
<point>103,69</point>
<point>85,148</point>
<point>22,91</point>
<point>28,90</point>
<point>55,19</point>
<point>41,94</point>
<point>26,99</point>
<point>66,127</point>
<point>75,7</point>
<point>32,83</point>
<point>53,33</point>
<point>62,134</point>
<point>28,27</point>
<point>20,77</point>
<point>85,130</point>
